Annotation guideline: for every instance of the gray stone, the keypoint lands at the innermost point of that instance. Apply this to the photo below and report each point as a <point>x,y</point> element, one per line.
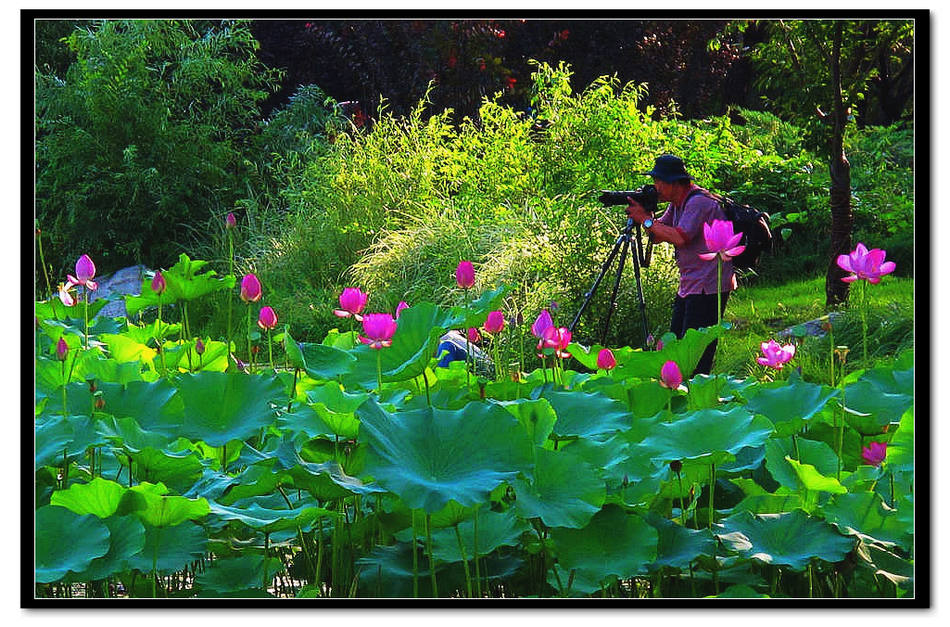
<point>127,281</point>
<point>812,327</point>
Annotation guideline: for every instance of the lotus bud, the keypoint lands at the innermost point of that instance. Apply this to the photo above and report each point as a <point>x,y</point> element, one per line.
<point>250,289</point>
<point>230,221</point>
<point>158,283</point>
<point>676,466</point>
<point>61,349</point>
<point>465,275</point>
<point>200,347</point>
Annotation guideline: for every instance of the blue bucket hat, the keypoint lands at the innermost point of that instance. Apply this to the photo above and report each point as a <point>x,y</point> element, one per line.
<point>669,168</point>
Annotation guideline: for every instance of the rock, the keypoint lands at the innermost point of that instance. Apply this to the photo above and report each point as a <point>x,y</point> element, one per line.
<point>812,327</point>
<point>127,281</point>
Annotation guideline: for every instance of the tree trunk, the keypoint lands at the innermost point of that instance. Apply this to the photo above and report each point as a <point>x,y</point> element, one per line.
<point>836,290</point>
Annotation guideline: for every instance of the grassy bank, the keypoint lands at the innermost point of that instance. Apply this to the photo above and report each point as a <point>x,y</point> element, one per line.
<point>760,313</point>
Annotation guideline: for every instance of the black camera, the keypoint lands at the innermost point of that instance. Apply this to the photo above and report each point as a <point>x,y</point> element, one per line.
<point>645,195</point>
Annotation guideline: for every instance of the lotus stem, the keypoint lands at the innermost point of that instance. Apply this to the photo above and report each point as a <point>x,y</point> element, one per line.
<point>478,580</point>
<point>435,588</point>
<point>270,349</point>
<point>293,390</point>
<point>415,557</point>
<point>864,320</point>
<point>719,290</point>
<point>379,373</point>
<point>712,493</point>
<point>468,577</point>
<point>250,355</point>
<point>85,315</point>
<point>39,247</point>
<point>230,294</point>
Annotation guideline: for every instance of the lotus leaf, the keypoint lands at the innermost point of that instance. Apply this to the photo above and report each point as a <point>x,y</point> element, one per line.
<point>790,405</point>
<point>678,546</point>
<point>151,503</point>
<point>614,543</point>
<point>220,407</point>
<point>271,520</point>
<point>429,457</point>
<point>791,539</point>
<point>239,574</point>
<point>172,548</point>
<point>811,452</point>
<point>126,538</point>
<point>586,415</point>
<point>708,436</point>
<point>866,514</point>
<point>100,497</point>
<point>811,479</point>
<point>88,539</point>
<point>563,491</point>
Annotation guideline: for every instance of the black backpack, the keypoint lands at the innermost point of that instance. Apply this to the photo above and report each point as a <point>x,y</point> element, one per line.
<point>752,223</point>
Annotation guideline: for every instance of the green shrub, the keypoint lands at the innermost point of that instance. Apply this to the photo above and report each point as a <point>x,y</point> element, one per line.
<point>145,133</point>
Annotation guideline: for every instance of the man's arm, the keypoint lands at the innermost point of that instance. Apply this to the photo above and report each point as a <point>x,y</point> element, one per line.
<point>659,232</point>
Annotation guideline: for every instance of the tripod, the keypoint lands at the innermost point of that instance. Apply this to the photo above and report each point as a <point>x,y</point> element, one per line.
<point>626,241</point>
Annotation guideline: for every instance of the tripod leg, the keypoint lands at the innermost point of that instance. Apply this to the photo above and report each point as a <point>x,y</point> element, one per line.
<point>634,252</point>
<point>620,243</point>
<point>613,295</point>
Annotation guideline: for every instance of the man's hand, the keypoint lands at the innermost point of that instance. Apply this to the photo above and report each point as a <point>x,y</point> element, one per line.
<point>636,211</point>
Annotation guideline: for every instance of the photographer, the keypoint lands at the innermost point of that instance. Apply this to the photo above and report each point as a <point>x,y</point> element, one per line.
<point>682,225</point>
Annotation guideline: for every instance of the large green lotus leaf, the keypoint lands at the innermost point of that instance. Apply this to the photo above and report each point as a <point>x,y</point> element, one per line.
<point>537,417</point>
<point>900,450</point>
<point>305,422</point>
<point>613,543</point>
<point>178,471</point>
<point>335,398</point>
<point>125,434</point>
<point>49,440</point>
<point>896,569</point>
<point>646,398</point>
<point>587,356</point>
<point>678,546</point>
<point>686,352</point>
<point>431,456</point>
<point>238,574</point>
<point>708,436</point>
<point>320,361</point>
<point>608,456</point>
<point>789,405</point>
<point>174,547</point>
<point>738,591</point>
<point>563,491</point>
<point>769,503</point>
<point>710,391</point>
<point>211,485</point>
<point>124,349</point>
<point>102,369</point>
<point>220,407</point>
<point>261,478</point>
<point>147,332</point>
<point>494,530</point>
<point>100,497</point>
<point>152,504</point>
<point>66,542</point>
<point>869,395</point>
<point>866,514</point>
<point>156,406</point>
<point>812,452</point>
<point>586,415</point>
<point>413,346</point>
<point>791,539</point>
<point>326,481</point>
<point>186,358</point>
<point>184,281</point>
<point>126,538</point>
<point>270,520</point>
<point>813,480</point>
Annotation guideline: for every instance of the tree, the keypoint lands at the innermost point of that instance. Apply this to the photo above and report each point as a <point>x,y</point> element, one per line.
<point>824,74</point>
<point>144,135</point>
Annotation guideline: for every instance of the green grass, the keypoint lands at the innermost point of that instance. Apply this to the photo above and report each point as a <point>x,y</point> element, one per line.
<point>759,313</point>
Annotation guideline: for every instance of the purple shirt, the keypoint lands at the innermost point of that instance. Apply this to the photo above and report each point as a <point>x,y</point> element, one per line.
<point>697,276</point>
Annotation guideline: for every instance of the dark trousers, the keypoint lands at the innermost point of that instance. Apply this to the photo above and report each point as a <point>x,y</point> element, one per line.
<point>695,311</point>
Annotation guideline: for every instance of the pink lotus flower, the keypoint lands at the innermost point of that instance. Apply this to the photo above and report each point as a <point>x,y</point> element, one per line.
<point>402,305</point>
<point>158,283</point>
<point>775,355</point>
<point>230,221</point>
<point>558,339</point>
<point>670,375</point>
<point>495,322</point>
<point>352,302</point>
<point>875,453</point>
<point>267,319</point>
<point>85,272</point>
<point>542,324</point>
<point>465,275</point>
<point>66,296</point>
<point>61,349</point>
<point>721,241</point>
<point>606,359</point>
<point>864,264</point>
<point>250,289</point>
<point>473,336</point>
<point>379,329</point>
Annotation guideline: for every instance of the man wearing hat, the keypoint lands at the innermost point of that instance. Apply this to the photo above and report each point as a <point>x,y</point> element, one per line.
<point>682,225</point>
